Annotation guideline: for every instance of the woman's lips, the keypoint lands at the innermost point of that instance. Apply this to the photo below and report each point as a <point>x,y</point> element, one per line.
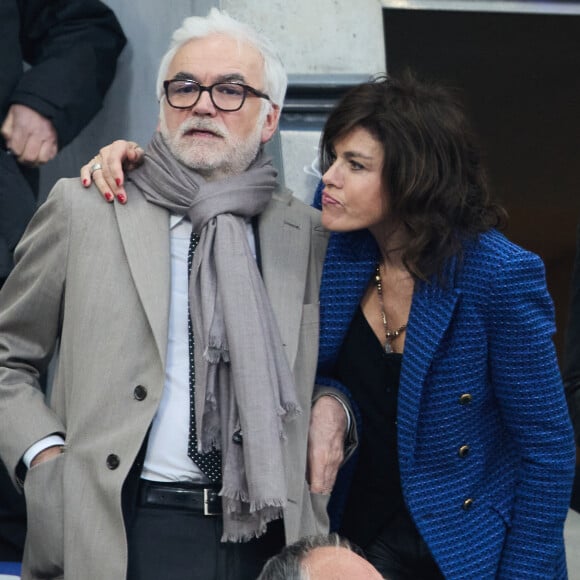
<point>329,200</point>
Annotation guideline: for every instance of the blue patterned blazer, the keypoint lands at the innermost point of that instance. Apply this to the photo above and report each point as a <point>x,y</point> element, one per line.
<point>479,375</point>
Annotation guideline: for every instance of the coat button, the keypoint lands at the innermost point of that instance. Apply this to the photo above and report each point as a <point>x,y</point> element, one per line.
<point>465,399</point>
<point>139,392</point>
<point>467,504</point>
<point>113,461</point>
<point>463,451</point>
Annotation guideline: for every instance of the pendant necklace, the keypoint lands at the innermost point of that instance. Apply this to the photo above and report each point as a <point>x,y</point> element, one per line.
<point>390,335</point>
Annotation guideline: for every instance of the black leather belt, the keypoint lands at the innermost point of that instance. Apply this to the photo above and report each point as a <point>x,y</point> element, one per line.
<point>200,498</point>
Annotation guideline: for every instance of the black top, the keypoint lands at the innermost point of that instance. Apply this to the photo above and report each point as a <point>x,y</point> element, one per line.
<point>373,379</point>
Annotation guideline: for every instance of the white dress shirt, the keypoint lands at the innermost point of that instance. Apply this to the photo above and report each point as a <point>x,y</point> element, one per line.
<point>166,458</point>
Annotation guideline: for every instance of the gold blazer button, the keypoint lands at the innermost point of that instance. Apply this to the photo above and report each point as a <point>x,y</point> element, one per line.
<point>467,504</point>
<point>463,451</point>
<point>465,399</point>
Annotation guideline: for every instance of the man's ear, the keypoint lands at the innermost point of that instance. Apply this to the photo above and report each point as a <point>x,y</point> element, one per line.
<point>271,123</point>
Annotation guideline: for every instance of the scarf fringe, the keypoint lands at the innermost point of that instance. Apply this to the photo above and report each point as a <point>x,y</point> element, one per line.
<point>253,534</point>
<point>233,497</point>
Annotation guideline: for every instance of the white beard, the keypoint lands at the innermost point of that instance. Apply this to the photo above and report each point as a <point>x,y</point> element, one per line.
<point>215,160</point>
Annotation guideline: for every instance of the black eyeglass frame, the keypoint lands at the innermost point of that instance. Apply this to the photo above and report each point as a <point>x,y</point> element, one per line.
<point>209,89</point>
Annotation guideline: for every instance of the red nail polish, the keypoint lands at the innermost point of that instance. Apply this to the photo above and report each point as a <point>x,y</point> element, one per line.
<point>85,182</point>
<point>118,181</point>
<point>109,196</point>
<point>122,197</point>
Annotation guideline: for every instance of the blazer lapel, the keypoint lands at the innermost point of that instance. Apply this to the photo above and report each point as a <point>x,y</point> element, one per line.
<point>285,246</point>
<point>431,313</point>
<point>144,231</point>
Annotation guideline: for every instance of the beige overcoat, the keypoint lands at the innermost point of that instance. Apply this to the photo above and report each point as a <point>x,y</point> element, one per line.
<point>92,281</point>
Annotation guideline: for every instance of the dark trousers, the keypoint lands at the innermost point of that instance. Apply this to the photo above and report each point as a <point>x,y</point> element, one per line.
<point>176,544</point>
<point>12,514</point>
<point>399,552</point>
<point>12,519</point>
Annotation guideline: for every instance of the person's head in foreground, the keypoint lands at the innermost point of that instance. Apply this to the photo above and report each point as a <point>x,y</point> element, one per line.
<point>319,558</point>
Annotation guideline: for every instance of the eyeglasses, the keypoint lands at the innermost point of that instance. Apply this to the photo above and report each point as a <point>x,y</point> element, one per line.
<point>184,94</point>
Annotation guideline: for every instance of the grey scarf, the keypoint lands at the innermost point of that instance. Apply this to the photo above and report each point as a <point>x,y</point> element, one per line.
<point>243,379</point>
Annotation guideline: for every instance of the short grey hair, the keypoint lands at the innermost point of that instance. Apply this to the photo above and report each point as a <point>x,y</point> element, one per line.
<point>217,22</point>
<point>287,565</point>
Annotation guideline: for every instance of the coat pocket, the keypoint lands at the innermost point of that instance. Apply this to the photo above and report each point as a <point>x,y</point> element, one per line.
<point>43,490</point>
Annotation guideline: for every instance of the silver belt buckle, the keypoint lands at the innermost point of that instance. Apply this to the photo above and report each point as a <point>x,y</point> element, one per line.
<point>206,505</point>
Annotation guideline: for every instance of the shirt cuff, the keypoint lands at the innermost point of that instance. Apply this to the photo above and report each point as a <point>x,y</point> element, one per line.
<point>40,446</point>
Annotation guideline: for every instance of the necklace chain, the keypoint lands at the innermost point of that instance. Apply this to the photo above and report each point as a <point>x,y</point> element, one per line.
<point>390,335</point>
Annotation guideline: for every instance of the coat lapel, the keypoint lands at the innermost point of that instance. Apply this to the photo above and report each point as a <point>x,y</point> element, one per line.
<point>431,313</point>
<point>144,231</point>
<point>285,246</point>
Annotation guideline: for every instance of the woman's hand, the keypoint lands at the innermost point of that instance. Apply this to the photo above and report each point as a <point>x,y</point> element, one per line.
<point>107,168</point>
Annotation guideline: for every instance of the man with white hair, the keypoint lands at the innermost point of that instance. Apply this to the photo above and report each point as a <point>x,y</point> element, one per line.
<point>174,441</point>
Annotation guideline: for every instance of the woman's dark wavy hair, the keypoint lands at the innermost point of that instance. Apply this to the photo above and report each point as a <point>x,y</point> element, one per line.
<point>435,182</point>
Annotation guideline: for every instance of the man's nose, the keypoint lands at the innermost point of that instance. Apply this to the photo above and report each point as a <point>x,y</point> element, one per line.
<point>204,105</point>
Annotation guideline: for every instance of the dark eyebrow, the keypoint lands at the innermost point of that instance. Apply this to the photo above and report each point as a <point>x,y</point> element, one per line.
<point>353,154</point>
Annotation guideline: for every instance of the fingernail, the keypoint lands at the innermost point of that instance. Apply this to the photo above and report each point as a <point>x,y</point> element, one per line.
<point>109,196</point>
<point>118,181</point>
<point>122,198</point>
<point>85,182</point>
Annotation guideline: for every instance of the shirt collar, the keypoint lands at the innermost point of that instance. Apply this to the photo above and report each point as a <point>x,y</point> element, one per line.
<point>175,220</point>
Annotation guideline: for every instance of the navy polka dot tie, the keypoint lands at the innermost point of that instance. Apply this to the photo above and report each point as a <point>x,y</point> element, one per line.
<point>210,463</point>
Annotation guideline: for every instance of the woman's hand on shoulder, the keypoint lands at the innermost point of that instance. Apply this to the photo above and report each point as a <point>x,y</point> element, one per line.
<point>106,169</point>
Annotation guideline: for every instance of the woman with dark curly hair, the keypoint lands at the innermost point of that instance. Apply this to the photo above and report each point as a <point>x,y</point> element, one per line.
<point>440,328</point>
